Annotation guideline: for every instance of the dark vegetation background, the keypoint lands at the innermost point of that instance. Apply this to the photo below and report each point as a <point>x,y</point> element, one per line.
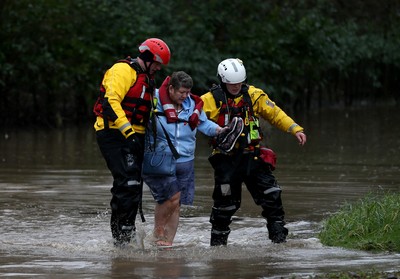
<point>307,55</point>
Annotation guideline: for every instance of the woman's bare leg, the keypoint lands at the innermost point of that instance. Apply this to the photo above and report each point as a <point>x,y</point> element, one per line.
<point>166,220</point>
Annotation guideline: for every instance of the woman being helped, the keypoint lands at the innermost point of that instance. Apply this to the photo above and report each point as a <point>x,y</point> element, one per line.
<point>181,115</point>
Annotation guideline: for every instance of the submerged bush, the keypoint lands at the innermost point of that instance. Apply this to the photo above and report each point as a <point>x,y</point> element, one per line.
<point>373,224</point>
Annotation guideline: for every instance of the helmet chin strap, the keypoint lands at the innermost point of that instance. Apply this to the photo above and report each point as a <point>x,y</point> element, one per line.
<point>147,68</point>
<point>147,57</point>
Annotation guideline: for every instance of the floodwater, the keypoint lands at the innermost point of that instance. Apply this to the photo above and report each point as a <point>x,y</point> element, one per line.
<point>54,205</point>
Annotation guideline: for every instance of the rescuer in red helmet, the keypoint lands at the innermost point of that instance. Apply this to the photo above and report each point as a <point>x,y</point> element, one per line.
<point>123,111</point>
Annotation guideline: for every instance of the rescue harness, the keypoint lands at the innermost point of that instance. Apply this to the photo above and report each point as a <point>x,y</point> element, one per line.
<point>244,109</point>
<point>250,142</point>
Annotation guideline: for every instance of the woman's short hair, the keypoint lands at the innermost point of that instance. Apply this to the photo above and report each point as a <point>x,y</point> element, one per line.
<point>181,79</point>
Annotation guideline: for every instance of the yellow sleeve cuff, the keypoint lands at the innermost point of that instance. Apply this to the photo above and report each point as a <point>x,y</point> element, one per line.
<point>295,128</point>
<point>126,129</point>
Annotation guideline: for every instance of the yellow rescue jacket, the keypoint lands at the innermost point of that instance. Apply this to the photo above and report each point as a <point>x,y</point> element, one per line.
<point>126,103</point>
<point>262,106</point>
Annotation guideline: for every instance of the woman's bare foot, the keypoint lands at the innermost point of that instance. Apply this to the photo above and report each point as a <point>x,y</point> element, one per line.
<point>163,243</point>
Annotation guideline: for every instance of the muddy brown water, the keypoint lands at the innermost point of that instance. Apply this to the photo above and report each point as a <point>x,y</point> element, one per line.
<point>54,205</point>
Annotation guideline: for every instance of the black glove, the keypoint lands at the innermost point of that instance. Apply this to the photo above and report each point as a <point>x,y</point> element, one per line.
<point>134,144</point>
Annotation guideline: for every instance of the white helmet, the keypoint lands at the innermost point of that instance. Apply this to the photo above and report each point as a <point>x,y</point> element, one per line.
<point>232,71</point>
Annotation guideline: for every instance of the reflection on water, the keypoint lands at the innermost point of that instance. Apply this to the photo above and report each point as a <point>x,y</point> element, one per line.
<point>54,206</point>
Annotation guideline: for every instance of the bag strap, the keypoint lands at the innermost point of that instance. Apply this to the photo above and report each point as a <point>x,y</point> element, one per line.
<point>171,146</point>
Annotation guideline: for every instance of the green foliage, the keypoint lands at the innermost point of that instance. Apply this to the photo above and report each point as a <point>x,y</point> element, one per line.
<point>371,224</point>
<point>303,53</point>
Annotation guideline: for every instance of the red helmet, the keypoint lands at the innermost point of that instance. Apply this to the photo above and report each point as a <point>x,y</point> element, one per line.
<point>158,48</point>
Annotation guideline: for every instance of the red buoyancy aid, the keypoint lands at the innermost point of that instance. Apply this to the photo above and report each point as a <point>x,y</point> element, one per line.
<point>194,118</point>
<point>137,102</point>
<point>169,109</point>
